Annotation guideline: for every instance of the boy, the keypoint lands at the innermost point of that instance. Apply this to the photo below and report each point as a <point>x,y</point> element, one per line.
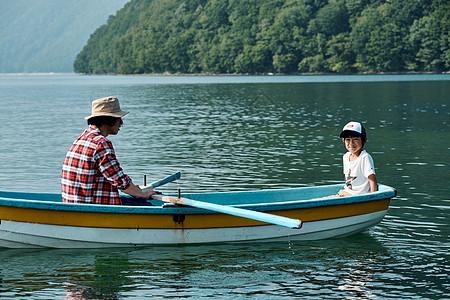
<point>358,164</point>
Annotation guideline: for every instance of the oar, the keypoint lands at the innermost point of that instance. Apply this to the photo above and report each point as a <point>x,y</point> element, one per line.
<point>163,181</point>
<point>239,212</point>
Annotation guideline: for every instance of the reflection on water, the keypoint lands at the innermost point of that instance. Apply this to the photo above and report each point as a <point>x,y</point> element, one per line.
<point>240,134</point>
<point>348,268</point>
<point>109,278</point>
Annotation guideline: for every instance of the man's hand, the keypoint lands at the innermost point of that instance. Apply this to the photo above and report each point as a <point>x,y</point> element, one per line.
<point>148,194</point>
<point>136,191</point>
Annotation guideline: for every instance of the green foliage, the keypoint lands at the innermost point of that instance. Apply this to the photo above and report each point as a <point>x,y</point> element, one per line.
<point>261,36</point>
<point>429,37</point>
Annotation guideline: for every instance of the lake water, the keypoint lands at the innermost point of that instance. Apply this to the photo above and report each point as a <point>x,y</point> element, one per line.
<point>240,133</point>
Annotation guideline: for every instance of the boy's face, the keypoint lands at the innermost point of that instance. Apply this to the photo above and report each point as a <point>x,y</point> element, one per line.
<point>353,144</point>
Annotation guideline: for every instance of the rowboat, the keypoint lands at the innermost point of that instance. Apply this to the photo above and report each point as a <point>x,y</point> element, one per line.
<point>34,220</point>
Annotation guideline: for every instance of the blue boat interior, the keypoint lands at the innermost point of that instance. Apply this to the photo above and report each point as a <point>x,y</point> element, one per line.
<point>239,198</point>
<point>230,198</point>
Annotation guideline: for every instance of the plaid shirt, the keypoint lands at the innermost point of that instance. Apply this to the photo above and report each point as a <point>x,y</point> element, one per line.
<point>91,172</point>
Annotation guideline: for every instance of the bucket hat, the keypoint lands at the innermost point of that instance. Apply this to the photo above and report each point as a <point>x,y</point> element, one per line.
<point>107,106</point>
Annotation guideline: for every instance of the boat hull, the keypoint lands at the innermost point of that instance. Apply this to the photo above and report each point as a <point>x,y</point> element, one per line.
<point>29,223</point>
<point>26,235</point>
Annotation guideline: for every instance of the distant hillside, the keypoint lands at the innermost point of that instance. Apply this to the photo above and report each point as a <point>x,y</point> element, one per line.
<point>282,36</point>
<point>46,35</point>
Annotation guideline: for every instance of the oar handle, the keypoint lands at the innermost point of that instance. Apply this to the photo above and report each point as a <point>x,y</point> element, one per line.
<point>169,199</point>
<point>239,212</point>
<point>163,181</point>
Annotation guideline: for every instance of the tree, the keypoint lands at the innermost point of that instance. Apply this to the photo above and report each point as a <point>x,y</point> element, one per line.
<point>377,42</point>
<point>340,55</point>
<point>283,36</point>
<point>330,20</point>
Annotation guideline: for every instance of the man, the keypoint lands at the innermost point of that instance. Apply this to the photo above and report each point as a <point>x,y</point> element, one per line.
<point>91,172</point>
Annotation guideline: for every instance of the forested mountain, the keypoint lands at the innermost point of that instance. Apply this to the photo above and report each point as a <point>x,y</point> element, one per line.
<point>47,35</point>
<point>280,36</point>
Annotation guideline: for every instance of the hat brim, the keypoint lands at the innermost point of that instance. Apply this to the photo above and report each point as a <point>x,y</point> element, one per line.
<point>346,132</point>
<point>119,114</point>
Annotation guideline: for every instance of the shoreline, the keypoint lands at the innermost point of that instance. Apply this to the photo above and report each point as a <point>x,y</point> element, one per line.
<point>271,74</point>
<point>228,74</point>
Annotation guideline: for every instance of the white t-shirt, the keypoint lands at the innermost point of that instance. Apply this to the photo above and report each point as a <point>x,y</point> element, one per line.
<point>357,172</point>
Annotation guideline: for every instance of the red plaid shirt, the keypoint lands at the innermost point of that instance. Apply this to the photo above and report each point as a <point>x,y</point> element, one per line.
<point>91,172</point>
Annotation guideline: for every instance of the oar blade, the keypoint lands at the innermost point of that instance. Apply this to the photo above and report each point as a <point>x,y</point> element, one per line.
<point>163,181</point>
<point>245,213</point>
<point>239,212</point>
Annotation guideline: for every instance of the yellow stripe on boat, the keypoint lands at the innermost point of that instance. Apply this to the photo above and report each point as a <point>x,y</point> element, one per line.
<point>168,221</point>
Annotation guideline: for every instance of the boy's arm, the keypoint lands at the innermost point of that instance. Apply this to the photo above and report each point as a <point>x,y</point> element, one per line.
<point>373,183</point>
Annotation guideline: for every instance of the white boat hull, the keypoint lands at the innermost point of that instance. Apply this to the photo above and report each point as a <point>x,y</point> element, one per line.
<point>31,235</point>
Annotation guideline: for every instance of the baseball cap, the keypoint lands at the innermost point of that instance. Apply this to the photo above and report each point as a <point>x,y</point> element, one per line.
<point>355,128</point>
